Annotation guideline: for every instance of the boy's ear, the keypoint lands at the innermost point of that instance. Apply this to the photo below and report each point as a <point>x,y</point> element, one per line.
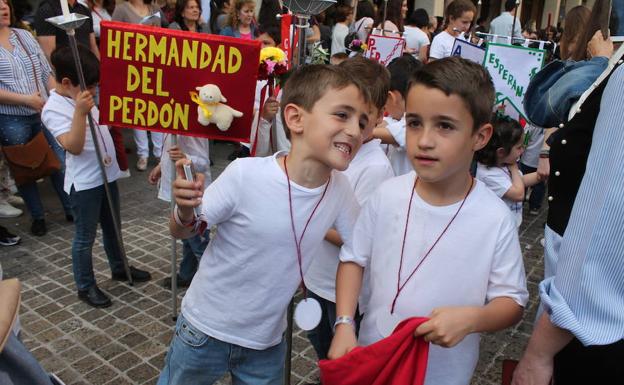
<point>482,136</point>
<point>66,82</point>
<point>293,118</point>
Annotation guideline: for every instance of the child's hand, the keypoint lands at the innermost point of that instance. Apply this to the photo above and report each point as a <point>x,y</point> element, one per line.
<point>34,101</point>
<point>176,154</point>
<point>188,194</point>
<point>84,102</point>
<point>447,326</point>
<point>344,341</point>
<point>513,166</point>
<point>154,175</point>
<point>271,106</point>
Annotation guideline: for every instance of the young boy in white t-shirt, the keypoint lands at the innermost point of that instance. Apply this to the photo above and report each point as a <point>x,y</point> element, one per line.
<point>271,214</point>
<point>65,115</point>
<point>448,239</point>
<point>392,130</point>
<point>368,169</point>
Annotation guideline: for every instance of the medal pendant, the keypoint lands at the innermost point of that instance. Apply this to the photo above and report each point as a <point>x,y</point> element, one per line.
<point>308,314</point>
<point>107,160</point>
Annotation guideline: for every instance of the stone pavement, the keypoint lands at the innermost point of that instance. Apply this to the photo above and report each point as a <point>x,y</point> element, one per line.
<point>126,343</point>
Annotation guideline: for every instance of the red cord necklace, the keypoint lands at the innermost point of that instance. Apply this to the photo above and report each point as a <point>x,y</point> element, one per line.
<point>308,311</point>
<point>409,208</point>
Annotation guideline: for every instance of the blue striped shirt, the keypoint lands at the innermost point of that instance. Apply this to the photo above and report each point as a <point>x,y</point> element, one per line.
<point>586,293</point>
<point>17,73</point>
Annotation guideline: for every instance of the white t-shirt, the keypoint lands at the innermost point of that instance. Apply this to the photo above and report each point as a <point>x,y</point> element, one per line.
<point>367,171</point>
<point>502,26</point>
<point>362,27</point>
<point>498,179</point>
<point>415,39</point>
<point>442,45</point>
<point>249,271</point>
<point>397,154</point>
<point>477,260</point>
<point>195,149</point>
<point>339,32</point>
<point>81,171</point>
<point>530,156</point>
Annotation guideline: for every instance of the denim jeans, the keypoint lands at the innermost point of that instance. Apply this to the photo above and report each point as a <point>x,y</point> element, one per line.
<point>537,192</point>
<point>197,358</point>
<point>18,129</point>
<point>18,365</point>
<point>90,207</point>
<point>192,251</point>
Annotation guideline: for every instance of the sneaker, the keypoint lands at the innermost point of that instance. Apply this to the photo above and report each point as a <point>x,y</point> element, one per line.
<point>9,239</point>
<point>38,227</point>
<point>137,275</point>
<point>94,297</point>
<point>124,174</point>
<point>141,164</point>
<point>15,200</point>
<point>8,211</point>
<point>180,283</point>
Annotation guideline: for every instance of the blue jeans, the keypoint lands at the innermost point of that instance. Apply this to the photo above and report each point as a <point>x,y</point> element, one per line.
<point>537,192</point>
<point>192,251</point>
<point>18,129</point>
<point>197,358</point>
<point>90,207</point>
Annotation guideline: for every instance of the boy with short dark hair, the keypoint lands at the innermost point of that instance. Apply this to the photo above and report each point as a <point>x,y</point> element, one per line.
<point>272,214</point>
<point>439,244</point>
<point>392,130</point>
<point>368,169</point>
<point>65,115</point>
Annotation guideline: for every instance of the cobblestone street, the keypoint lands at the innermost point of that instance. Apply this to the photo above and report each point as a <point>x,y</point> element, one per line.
<point>126,343</point>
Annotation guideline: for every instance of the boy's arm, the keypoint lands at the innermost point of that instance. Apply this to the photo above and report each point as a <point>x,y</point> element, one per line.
<point>531,179</point>
<point>188,194</point>
<point>333,237</point>
<point>516,191</point>
<point>448,326</point>
<point>348,284</point>
<point>74,140</point>
<point>381,132</point>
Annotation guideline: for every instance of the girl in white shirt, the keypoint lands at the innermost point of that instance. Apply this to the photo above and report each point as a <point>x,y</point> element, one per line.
<point>459,16</point>
<point>497,165</point>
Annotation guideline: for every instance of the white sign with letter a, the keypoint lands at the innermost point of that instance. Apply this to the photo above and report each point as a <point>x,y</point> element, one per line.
<point>384,48</point>
<point>469,51</point>
<point>512,68</point>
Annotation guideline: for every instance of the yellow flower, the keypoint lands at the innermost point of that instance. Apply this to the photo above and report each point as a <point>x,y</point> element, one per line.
<point>272,53</point>
<point>364,47</point>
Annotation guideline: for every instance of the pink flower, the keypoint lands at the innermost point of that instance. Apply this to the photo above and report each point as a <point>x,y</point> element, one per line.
<point>270,66</point>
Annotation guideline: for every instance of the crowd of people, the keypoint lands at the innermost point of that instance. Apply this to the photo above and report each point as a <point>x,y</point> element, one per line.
<point>389,192</point>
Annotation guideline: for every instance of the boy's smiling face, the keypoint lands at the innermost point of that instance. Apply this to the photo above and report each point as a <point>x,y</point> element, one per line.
<point>439,134</point>
<point>333,130</point>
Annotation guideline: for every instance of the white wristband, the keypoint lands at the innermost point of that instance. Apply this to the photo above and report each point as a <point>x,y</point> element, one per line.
<point>344,319</point>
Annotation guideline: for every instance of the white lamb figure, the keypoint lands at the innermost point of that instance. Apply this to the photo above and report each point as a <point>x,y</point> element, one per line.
<point>212,109</point>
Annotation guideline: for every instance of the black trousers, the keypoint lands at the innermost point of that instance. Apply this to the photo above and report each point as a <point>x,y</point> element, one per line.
<point>590,365</point>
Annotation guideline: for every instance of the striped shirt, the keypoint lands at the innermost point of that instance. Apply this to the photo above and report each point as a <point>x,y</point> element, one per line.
<point>17,73</point>
<point>586,293</point>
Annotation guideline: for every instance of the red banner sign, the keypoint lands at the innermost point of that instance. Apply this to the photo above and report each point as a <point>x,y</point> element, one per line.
<point>177,82</point>
<point>289,46</point>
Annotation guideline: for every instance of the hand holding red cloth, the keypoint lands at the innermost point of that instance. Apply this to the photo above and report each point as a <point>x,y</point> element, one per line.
<point>399,359</point>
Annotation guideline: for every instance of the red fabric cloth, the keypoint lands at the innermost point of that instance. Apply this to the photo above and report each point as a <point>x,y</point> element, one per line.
<point>399,359</point>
